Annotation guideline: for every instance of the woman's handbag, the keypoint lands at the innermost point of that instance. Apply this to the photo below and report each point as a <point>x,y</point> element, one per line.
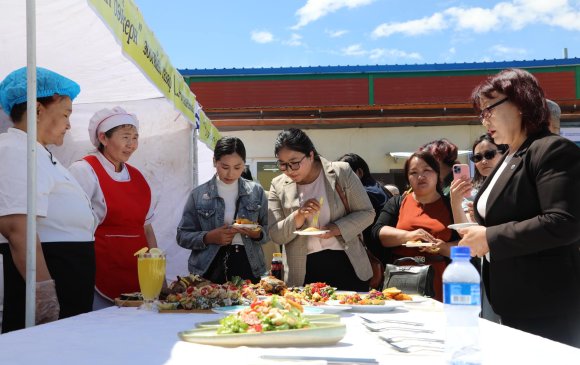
<point>377,266</point>
<point>410,279</point>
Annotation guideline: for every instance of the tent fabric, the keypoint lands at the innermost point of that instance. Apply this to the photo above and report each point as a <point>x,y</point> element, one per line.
<point>73,41</point>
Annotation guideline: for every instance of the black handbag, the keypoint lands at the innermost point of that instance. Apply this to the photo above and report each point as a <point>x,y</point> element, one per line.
<point>410,279</point>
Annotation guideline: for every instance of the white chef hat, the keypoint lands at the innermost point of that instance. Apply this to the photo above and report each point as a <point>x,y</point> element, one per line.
<point>106,119</point>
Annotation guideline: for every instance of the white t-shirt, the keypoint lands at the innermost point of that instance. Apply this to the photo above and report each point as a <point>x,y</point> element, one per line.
<point>63,209</point>
<point>316,190</point>
<point>229,193</point>
<point>89,181</point>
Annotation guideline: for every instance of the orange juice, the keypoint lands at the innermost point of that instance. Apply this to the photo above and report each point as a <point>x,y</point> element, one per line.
<point>151,271</point>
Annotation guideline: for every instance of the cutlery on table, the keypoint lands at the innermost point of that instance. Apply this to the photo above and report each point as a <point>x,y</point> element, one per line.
<point>330,360</point>
<point>373,328</point>
<point>411,348</point>
<point>370,320</point>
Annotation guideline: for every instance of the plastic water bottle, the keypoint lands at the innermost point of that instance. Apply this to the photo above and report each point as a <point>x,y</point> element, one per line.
<point>462,303</point>
<point>277,268</point>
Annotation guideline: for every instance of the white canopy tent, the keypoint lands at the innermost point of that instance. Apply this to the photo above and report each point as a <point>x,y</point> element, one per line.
<point>73,41</point>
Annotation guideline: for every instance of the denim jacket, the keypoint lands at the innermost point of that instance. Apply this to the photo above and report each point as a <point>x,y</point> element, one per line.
<point>205,211</point>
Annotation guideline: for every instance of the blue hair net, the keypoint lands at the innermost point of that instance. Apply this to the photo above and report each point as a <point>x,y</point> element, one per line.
<point>48,83</point>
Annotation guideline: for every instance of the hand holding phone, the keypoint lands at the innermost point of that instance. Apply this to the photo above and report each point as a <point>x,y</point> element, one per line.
<point>461,172</point>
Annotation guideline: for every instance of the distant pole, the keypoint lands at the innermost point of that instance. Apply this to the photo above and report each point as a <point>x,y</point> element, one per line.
<point>565,53</point>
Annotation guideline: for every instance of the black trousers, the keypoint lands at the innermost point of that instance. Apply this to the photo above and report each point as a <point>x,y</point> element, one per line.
<point>562,327</point>
<point>71,265</point>
<point>230,261</point>
<point>333,268</point>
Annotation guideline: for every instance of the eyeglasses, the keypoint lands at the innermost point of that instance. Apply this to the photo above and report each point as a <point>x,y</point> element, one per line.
<point>488,155</point>
<point>283,166</point>
<point>486,112</point>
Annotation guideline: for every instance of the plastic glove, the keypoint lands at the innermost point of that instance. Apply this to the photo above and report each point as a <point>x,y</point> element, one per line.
<point>47,307</point>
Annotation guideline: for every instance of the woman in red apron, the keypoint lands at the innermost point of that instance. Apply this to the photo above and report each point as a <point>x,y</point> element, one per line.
<point>121,200</point>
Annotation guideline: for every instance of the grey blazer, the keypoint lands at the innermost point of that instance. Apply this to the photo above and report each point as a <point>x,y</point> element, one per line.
<point>283,202</point>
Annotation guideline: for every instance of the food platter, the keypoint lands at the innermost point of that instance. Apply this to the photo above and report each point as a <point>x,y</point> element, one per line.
<point>321,334</point>
<point>388,306</point>
<point>313,318</point>
<point>311,233</point>
<point>415,299</point>
<point>236,308</point>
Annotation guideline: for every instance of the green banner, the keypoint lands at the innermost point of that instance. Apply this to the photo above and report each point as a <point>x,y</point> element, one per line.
<point>140,45</point>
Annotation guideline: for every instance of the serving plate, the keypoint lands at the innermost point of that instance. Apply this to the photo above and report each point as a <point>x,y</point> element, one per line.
<point>311,233</point>
<point>313,318</point>
<point>418,244</point>
<point>388,306</point>
<point>245,225</point>
<point>127,303</point>
<point>321,334</point>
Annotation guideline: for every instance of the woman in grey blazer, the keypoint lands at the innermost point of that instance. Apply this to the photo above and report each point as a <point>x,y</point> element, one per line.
<point>304,196</point>
<point>529,211</point>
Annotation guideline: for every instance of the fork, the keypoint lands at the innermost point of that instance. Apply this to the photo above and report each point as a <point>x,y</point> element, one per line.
<point>315,218</point>
<point>368,320</point>
<point>407,349</point>
<point>408,329</point>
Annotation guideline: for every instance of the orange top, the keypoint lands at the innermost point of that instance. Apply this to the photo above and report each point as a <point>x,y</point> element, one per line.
<point>433,217</point>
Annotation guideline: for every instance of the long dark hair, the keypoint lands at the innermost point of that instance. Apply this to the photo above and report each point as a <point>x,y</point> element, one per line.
<point>478,178</point>
<point>229,146</point>
<point>295,139</point>
<point>429,160</point>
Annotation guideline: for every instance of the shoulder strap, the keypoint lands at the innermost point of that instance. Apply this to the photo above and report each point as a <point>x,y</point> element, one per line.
<point>342,196</point>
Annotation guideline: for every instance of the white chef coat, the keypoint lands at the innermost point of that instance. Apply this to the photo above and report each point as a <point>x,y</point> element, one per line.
<point>63,209</point>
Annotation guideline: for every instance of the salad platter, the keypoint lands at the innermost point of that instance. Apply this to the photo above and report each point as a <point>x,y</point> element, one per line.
<point>323,334</point>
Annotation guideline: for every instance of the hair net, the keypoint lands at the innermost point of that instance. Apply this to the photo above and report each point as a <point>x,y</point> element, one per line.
<point>48,83</point>
<point>106,119</point>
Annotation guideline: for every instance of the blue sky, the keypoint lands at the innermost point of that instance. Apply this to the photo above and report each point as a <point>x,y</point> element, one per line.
<point>277,33</point>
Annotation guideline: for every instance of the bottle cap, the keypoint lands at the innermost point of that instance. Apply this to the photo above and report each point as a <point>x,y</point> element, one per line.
<point>277,254</point>
<point>460,252</point>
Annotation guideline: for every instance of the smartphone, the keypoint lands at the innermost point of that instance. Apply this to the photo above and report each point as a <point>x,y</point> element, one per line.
<point>461,171</point>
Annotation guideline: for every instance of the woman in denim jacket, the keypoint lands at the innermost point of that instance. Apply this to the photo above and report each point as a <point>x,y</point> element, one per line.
<point>219,250</point>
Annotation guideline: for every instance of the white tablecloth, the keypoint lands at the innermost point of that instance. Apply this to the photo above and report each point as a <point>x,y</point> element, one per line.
<point>130,336</point>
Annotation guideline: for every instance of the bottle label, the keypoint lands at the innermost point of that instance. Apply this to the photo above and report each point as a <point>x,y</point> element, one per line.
<point>461,293</point>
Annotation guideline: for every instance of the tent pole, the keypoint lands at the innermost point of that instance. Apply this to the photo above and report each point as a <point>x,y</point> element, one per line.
<point>31,163</point>
<point>194,157</point>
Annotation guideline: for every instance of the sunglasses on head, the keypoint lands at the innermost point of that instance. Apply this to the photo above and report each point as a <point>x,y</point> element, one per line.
<point>488,155</point>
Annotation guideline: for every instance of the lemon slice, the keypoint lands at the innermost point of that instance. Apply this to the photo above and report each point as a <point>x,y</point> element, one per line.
<point>155,251</point>
<point>141,251</point>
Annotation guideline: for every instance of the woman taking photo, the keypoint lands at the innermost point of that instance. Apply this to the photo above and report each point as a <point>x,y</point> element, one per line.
<point>220,251</point>
<point>421,215</point>
<point>529,211</point>
<point>307,192</point>
<point>121,199</point>
<point>486,155</point>
<point>65,252</point>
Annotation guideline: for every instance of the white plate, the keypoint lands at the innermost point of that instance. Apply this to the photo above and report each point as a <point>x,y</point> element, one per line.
<point>311,233</point>
<point>387,307</point>
<point>236,308</point>
<point>321,335</point>
<point>418,244</point>
<point>344,292</point>
<point>329,308</point>
<point>248,226</point>
<point>313,318</point>
<point>461,225</point>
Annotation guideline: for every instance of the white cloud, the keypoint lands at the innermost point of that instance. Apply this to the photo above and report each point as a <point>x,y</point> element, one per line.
<point>295,40</point>
<point>515,15</point>
<point>501,50</point>
<point>262,36</point>
<point>354,50</point>
<point>412,27</point>
<point>336,33</point>
<point>452,50</point>
<point>316,9</point>
<point>379,54</point>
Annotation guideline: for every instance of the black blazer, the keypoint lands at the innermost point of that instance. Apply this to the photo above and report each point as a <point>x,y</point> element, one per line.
<point>533,230</point>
